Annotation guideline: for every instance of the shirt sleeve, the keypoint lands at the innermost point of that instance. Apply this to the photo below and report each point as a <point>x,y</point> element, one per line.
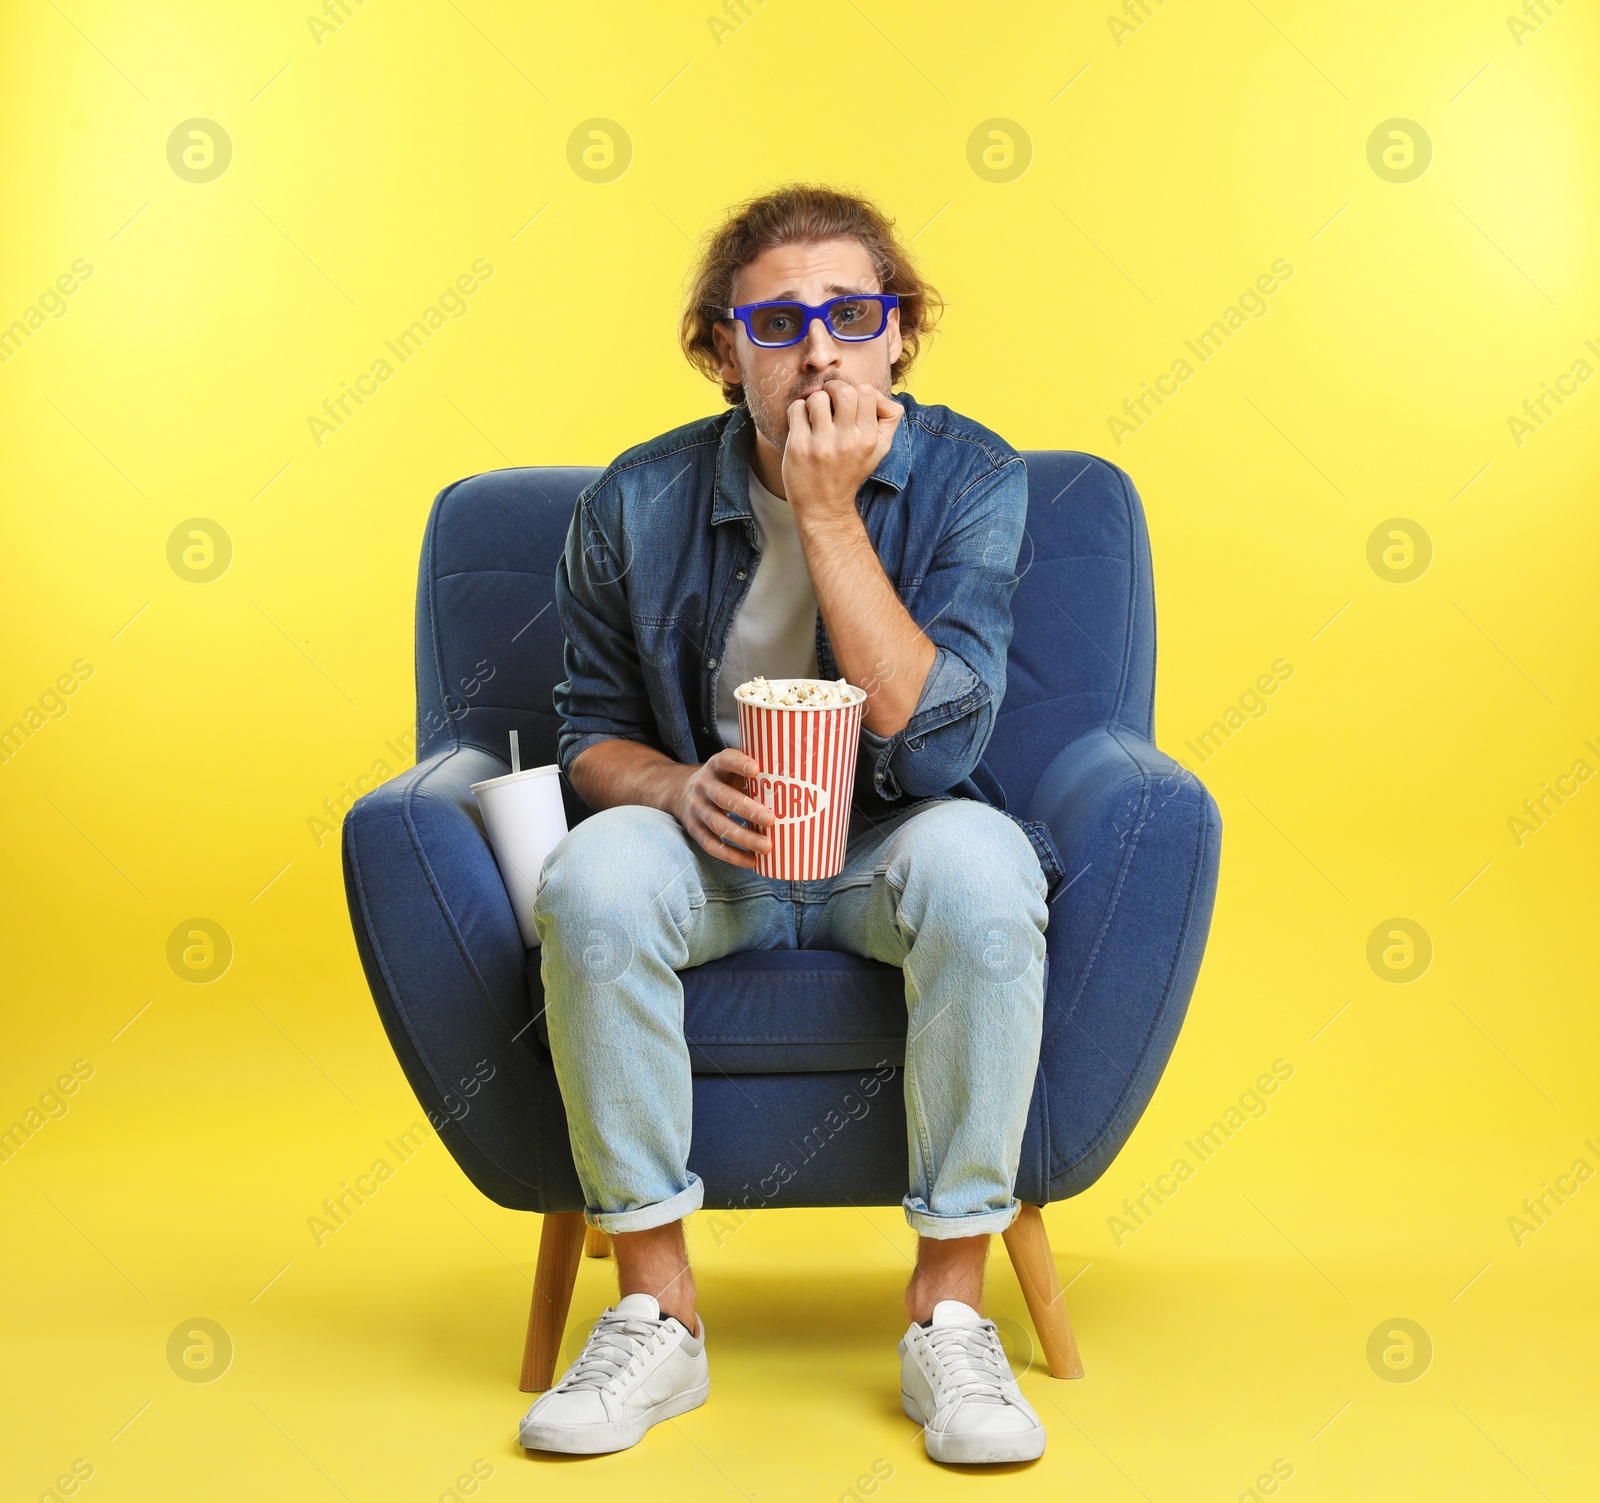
<point>604,696</point>
<point>964,607</point>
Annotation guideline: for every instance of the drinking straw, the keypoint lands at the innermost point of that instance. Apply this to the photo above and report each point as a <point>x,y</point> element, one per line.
<point>516,755</point>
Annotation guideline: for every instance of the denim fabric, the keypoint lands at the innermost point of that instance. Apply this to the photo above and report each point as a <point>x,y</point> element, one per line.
<point>947,889</point>
<point>661,551</point>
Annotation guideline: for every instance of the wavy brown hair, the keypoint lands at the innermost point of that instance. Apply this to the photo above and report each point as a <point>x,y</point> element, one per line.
<point>806,213</point>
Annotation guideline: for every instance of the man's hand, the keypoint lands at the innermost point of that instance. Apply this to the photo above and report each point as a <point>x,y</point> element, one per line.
<point>701,798</point>
<point>709,795</point>
<point>837,435</point>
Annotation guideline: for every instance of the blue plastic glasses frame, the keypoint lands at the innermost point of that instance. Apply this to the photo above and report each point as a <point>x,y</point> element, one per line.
<point>885,300</point>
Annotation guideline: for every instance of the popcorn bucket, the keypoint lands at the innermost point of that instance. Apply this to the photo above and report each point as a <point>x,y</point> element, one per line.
<point>807,757</point>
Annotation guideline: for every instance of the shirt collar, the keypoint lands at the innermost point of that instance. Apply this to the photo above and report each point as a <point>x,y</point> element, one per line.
<point>732,497</point>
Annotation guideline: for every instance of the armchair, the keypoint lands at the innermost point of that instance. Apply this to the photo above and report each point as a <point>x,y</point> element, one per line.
<point>462,1001</point>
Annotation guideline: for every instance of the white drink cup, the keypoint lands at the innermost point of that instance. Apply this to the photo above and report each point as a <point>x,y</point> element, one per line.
<point>525,818</point>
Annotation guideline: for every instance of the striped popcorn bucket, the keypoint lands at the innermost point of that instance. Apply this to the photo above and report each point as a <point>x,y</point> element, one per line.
<point>807,759</point>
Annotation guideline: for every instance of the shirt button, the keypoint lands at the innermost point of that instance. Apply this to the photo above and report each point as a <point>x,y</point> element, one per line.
<point>711,662</point>
<point>739,575</point>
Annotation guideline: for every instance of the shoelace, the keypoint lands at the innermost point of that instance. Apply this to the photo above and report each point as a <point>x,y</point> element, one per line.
<point>970,1362</point>
<point>612,1346</point>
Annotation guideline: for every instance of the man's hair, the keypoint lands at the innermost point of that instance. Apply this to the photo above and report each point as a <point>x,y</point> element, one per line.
<point>804,213</point>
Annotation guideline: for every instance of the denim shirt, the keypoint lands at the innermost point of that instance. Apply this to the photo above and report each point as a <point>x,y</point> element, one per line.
<point>661,551</point>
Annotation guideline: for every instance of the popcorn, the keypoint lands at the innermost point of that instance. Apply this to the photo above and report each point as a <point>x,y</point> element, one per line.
<point>798,693</point>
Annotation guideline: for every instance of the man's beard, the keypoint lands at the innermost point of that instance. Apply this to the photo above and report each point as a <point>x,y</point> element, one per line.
<point>770,412</point>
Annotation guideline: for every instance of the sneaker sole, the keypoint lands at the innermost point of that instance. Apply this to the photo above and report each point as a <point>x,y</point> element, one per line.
<point>975,1450</point>
<point>597,1440</point>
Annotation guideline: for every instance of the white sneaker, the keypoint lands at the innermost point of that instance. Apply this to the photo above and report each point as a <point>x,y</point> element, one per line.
<point>636,1369</point>
<point>956,1383</point>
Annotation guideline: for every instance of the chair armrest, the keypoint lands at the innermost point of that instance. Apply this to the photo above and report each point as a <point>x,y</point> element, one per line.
<point>1096,787</point>
<point>447,968</point>
<point>1140,843</point>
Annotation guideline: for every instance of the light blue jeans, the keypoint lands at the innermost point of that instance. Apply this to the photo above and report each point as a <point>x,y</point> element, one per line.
<point>950,890</point>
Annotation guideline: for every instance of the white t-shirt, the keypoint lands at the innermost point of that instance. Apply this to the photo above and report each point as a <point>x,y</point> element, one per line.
<point>774,631</point>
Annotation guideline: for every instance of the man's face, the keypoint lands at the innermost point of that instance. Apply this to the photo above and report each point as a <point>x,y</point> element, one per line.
<point>773,379</point>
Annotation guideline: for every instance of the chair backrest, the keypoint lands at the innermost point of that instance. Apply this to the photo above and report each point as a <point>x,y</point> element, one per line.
<point>1082,654</point>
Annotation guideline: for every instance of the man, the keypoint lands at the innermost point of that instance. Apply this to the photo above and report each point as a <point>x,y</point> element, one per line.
<point>819,529</point>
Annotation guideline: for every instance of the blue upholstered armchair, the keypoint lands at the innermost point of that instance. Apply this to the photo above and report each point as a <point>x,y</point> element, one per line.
<point>783,1042</point>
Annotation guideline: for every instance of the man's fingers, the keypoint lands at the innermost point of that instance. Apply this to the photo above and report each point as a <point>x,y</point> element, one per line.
<point>799,440</point>
<point>746,836</point>
<point>719,819</point>
<point>731,762</point>
<point>724,852</point>
<point>846,402</point>
<point>819,408</point>
<point>886,419</point>
<point>731,801</point>
<point>729,837</point>
<point>710,837</point>
<point>726,791</point>
<point>757,816</point>
<point>867,423</point>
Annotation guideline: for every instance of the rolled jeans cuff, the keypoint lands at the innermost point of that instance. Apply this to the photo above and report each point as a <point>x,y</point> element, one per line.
<point>926,1224</point>
<point>658,1213</point>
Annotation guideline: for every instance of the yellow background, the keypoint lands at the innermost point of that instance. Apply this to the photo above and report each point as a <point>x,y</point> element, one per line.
<point>1171,164</point>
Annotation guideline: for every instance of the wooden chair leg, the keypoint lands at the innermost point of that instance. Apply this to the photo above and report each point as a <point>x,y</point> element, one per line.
<point>1029,1247</point>
<point>596,1244</point>
<point>560,1242</point>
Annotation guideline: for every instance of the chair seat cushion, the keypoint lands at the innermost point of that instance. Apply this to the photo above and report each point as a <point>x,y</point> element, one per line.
<point>772,1012</point>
